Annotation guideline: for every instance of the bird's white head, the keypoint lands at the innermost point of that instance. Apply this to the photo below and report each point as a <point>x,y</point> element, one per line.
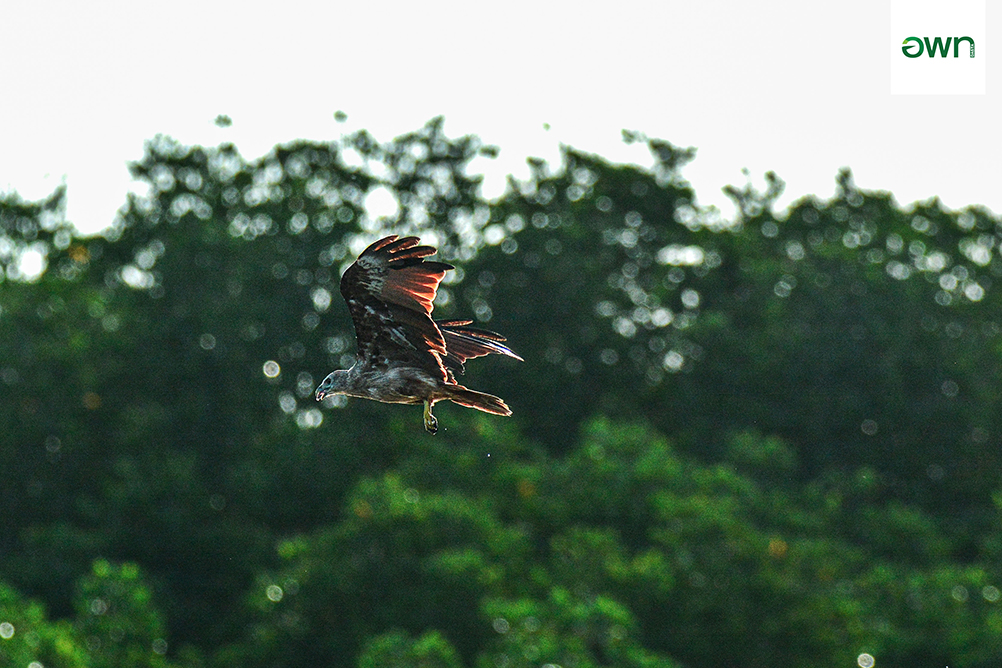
<point>334,383</point>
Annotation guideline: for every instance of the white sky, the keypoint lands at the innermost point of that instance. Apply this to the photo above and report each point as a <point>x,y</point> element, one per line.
<point>796,87</point>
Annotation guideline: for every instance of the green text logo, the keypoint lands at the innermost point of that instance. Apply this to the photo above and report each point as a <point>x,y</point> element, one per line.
<point>913,47</point>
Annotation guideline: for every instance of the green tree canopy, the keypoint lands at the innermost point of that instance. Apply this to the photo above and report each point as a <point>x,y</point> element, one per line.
<point>750,442</point>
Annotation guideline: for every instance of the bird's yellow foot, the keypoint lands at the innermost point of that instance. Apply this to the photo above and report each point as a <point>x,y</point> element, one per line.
<point>430,421</point>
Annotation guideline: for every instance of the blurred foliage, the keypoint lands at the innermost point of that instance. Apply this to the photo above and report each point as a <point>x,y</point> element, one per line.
<point>431,650</point>
<point>735,443</point>
<point>116,626</point>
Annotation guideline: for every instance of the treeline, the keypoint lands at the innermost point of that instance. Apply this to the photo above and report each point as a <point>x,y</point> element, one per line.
<point>735,443</point>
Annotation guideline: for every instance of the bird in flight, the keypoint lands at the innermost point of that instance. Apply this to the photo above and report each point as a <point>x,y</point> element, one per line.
<point>405,357</point>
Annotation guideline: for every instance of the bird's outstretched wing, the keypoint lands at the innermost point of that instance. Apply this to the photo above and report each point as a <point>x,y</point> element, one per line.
<point>463,342</point>
<point>390,290</point>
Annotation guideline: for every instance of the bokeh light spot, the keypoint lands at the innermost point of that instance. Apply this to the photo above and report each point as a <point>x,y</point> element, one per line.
<point>274,593</point>
<point>287,402</point>
<point>321,299</point>
<point>673,361</point>
<point>309,419</point>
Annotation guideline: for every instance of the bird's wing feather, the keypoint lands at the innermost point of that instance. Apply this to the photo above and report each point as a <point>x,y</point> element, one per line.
<point>463,342</point>
<point>390,291</point>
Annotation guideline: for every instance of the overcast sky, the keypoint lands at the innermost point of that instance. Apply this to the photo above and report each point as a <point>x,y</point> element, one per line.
<point>795,87</point>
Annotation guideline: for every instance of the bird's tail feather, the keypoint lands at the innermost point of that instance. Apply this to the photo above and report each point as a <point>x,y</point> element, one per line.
<point>487,403</point>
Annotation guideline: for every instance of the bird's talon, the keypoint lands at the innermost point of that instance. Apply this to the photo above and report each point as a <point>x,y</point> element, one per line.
<point>431,424</point>
<point>430,421</point>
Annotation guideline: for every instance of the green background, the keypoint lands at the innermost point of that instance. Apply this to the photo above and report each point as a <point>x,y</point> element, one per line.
<point>767,441</point>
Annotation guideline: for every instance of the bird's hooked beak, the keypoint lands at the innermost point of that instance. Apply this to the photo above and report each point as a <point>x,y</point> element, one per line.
<point>325,387</point>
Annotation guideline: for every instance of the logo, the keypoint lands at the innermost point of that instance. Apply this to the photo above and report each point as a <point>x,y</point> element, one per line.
<point>913,47</point>
<point>931,47</point>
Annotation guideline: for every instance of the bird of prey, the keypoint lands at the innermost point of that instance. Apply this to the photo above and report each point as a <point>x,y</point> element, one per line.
<point>405,357</point>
